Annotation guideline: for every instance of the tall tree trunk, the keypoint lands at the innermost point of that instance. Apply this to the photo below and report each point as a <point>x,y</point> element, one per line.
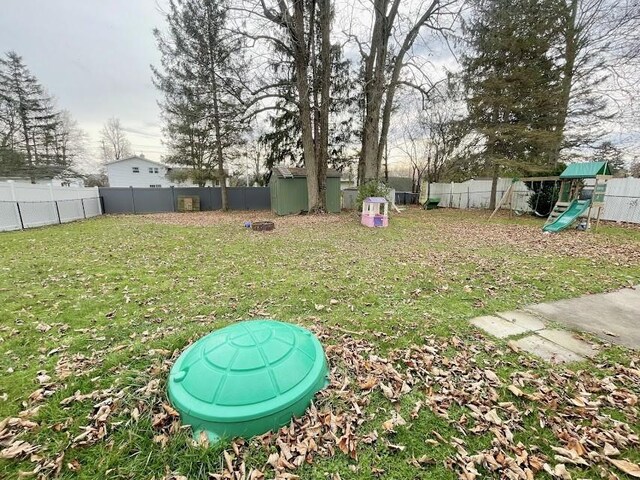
<point>219,154</point>
<point>216,112</point>
<point>570,55</point>
<point>386,162</point>
<point>25,132</point>
<point>325,85</point>
<point>375,65</point>
<point>378,96</point>
<point>494,184</point>
<point>304,105</point>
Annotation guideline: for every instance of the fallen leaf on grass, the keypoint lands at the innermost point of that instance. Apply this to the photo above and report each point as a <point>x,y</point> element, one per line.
<point>394,421</point>
<point>370,437</point>
<point>73,465</point>
<point>387,391</point>
<point>559,471</point>
<point>416,409</point>
<point>347,443</point>
<point>515,390</point>
<point>368,383</point>
<point>492,377</point>
<point>256,474</point>
<point>610,450</point>
<point>395,447</point>
<point>422,461</point>
<point>627,467</point>
<point>492,416</point>
<point>170,410</point>
<point>18,449</point>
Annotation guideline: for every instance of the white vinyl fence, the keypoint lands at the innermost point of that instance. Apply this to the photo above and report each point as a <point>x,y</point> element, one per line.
<point>476,194</point>
<point>622,200</point>
<point>25,205</point>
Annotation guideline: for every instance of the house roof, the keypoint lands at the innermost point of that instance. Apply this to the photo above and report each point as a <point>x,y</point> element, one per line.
<point>283,172</point>
<point>137,157</point>
<point>586,170</point>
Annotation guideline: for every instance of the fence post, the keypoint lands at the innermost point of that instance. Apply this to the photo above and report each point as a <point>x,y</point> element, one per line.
<point>20,215</point>
<point>468,198</point>
<point>451,196</point>
<point>100,206</point>
<point>55,202</point>
<point>173,198</point>
<point>14,197</point>
<point>53,199</point>
<point>133,201</point>
<point>79,197</point>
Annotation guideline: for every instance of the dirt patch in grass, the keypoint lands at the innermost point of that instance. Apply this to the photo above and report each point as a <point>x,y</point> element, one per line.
<point>209,219</point>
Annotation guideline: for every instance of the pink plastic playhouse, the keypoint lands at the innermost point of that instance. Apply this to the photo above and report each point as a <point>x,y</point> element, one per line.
<point>371,216</point>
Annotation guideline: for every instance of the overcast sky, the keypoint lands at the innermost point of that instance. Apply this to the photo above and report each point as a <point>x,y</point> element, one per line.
<point>94,57</point>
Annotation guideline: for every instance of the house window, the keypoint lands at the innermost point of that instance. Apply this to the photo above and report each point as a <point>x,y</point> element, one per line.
<point>155,170</point>
<point>150,169</point>
<point>135,169</point>
<point>155,186</point>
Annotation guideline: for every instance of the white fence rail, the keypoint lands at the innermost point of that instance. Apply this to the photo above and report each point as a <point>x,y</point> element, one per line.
<point>622,200</point>
<point>476,194</point>
<point>27,206</point>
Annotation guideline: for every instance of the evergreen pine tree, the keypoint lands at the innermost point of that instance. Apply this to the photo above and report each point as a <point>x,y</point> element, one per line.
<point>33,141</point>
<point>284,140</point>
<point>513,83</point>
<point>202,106</point>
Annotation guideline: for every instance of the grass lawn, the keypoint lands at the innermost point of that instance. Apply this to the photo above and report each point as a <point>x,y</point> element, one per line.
<point>92,315</point>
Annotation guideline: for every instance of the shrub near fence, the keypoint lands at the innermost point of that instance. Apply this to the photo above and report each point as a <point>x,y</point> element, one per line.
<point>157,200</point>
<point>26,206</point>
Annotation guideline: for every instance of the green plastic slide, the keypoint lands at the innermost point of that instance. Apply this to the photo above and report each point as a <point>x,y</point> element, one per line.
<point>570,215</point>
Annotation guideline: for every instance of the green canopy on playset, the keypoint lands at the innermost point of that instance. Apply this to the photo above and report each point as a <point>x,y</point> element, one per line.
<point>585,170</point>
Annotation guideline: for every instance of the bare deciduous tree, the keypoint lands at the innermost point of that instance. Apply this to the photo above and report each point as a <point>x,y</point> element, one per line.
<point>384,59</point>
<point>114,143</point>
<point>304,29</point>
<point>599,43</point>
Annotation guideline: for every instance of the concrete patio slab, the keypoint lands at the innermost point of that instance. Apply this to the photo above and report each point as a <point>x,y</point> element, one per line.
<point>498,327</point>
<point>569,341</point>
<point>614,317</point>
<point>523,319</point>
<point>547,350</point>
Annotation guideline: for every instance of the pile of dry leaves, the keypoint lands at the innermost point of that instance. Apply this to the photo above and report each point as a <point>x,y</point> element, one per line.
<point>445,376</point>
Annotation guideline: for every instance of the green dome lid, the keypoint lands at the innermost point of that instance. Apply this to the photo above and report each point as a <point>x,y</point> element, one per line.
<point>247,378</point>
